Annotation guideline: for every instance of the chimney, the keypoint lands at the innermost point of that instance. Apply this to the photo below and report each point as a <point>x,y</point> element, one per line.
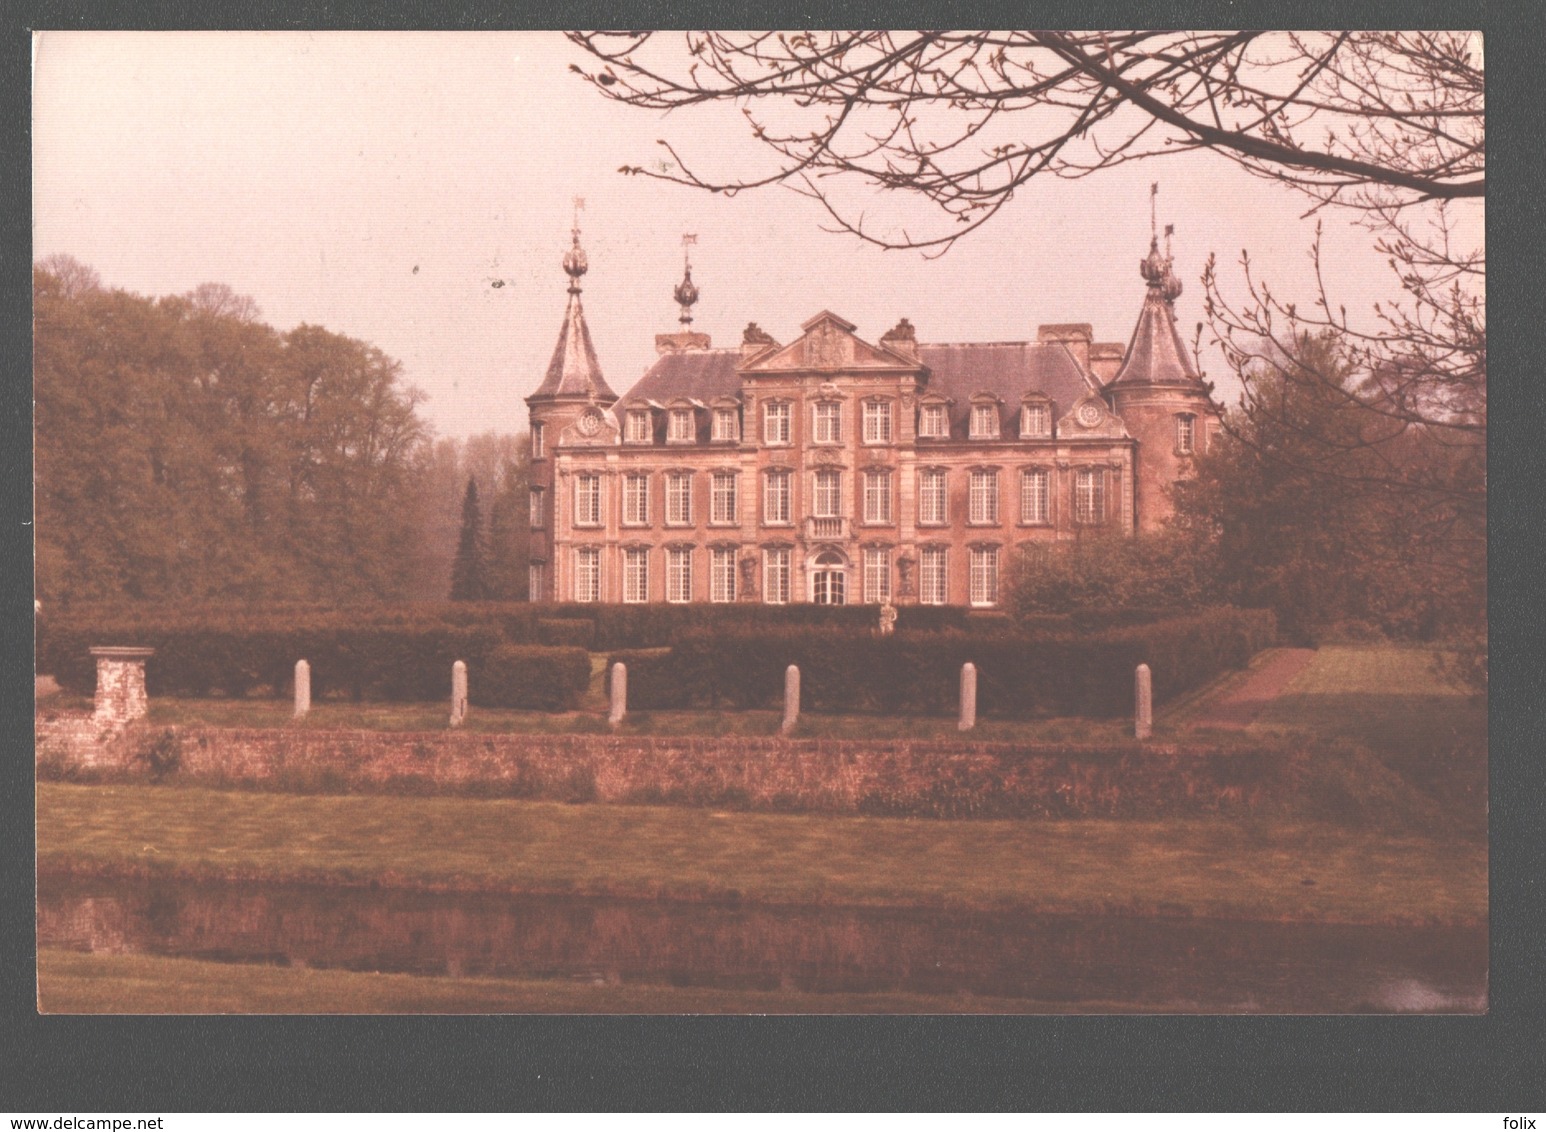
<point>901,339</point>
<point>1075,335</point>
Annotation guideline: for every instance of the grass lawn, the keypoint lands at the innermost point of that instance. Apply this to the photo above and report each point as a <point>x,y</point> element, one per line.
<point>1210,868</point>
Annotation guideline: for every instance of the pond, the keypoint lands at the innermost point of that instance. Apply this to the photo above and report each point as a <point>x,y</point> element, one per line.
<point>1062,962</point>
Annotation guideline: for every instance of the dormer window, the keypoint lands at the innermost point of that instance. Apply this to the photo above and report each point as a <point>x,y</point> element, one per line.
<point>681,427</point>
<point>726,425</point>
<point>932,422</point>
<point>985,421</point>
<point>1035,421</point>
<point>1186,434</point>
<point>637,425</point>
<point>829,422</point>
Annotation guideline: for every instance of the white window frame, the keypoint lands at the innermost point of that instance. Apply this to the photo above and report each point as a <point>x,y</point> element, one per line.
<point>877,575</point>
<point>1035,421</point>
<point>827,422</point>
<point>587,499</point>
<point>638,426</point>
<point>680,427</point>
<point>722,574</point>
<point>724,499</point>
<point>984,421</point>
<point>933,422</point>
<point>1090,497</point>
<point>933,575</point>
<point>982,498</point>
<point>636,499</point>
<point>877,496</point>
<point>636,574</point>
<point>827,493</point>
<point>726,426</point>
<point>1035,501</point>
<point>776,575</point>
<point>539,508</point>
<point>933,497</point>
<point>1186,434</point>
<point>777,497</point>
<point>678,574</point>
<point>536,579</point>
<point>877,422</point>
<point>776,424</point>
<point>587,574</point>
<point>983,577</point>
<point>679,499</point>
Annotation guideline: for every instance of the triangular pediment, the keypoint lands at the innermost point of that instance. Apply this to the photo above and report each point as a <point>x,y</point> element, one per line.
<point>829,343</point>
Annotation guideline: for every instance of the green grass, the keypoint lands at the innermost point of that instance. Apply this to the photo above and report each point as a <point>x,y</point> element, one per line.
<point>77,983</point>
<point>1212,868</point>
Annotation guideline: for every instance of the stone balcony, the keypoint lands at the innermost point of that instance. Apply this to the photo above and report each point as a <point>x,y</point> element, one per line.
<point>826,529</point>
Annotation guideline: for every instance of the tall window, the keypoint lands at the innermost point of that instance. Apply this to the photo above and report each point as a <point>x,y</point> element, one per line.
<point>636,499</point>
<point>536,440</point>
<point>678,499</point>
<point>679,573</point>
<point>638,426</point>
<point>636,574</point>
<point>538,509</point>
<point>536,582</point>
<point>829,494</point>
<point>877,575</point>
<point>829,422</point>
<point>1186,433</point>
<point>587,500</point>
<point>587,574</point>
<point>933,587</point>
<point>681,426</point>
<point>984,422</point>
<point>775,497</point>
<point>722,574</point>
<point>725,425</point>
<point>1033,496</point>
<point>775,422</point>
<point>983,499</point>
<point>877,496</point>
<point>722,498</point>
<point>931,496</point>
<point>1035,420</point>
<point>775,575</point>
<point>984,575</point>
<point>1090,496</point>
<point>877,422</point>
<point>931,421</point>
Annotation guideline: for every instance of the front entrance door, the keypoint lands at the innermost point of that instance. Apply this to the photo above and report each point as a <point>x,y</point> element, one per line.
<point>827,587</point>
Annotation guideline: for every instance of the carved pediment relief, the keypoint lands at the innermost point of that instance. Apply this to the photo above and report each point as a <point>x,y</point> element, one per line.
<point>591,429</point>
<point>829,343</point>
<point>1091,417</point>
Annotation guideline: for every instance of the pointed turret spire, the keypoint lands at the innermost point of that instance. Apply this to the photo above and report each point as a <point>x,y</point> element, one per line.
<point>1156,355</point>
<point>574,370</point>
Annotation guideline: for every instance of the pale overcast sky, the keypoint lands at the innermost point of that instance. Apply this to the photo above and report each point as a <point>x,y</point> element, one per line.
<point>379,184</point>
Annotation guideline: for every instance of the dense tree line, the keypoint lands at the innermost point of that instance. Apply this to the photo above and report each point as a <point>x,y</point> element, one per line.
<point>187,451</point>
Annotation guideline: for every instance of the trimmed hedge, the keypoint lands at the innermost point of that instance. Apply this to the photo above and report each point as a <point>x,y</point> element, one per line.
<point>532,677</point>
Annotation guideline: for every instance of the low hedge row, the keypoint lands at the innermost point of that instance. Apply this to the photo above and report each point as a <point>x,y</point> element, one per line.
<point>531,677</point>
<point>1089,674</point>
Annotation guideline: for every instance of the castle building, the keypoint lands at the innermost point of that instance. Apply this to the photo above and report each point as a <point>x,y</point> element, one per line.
<point>832,469</point>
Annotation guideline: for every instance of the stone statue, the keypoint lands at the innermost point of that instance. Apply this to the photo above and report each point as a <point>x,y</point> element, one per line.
<point>887,619</point>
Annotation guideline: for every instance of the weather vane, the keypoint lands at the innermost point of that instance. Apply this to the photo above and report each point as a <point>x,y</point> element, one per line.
<point>579,204</point>
<point>1153,204</point>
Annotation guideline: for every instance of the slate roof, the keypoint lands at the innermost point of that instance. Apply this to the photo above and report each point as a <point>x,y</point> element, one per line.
<point>1156,355</point>
<point>574,370</point>
<point>1009,370</point>
<point>702,374</point>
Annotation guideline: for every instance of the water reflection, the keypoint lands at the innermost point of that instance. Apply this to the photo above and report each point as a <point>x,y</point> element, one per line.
<point>1089,962</point>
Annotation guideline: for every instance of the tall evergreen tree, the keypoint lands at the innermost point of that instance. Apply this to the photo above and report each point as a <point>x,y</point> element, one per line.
<point>469,573</point>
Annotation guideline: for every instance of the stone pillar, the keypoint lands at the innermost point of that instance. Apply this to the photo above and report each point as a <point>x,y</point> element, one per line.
<point>791,698</point>
<point>968,697</point>
<point>120,698</point>
<point>459,693</point>
<point>1143,703</point>
<point>302,689</point>
<point>619,694</point>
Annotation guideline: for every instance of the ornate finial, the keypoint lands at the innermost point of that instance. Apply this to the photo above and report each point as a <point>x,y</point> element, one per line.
<point>1169,284</point>
<point>575,263</point>
<point>686,293</point>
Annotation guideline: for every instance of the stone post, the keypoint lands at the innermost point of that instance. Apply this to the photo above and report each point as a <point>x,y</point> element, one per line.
<point>791,699</point>
<point>120,698</point>
<point>459,693</point>
<point>302,689</point>
<point>619,694</point>
<point>1143,703</point>
<point>968,697</point>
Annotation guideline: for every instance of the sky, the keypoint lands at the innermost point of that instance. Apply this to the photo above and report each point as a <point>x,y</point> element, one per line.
<point>415,190</point>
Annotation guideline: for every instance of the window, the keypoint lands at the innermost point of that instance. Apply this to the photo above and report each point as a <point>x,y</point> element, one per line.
<point>1090,496</point>
<point>984,575</point>
<point>828,501</point>
<point>636,574</point>
<point>587,500</point>
<point>931,421</point>
<point>1033,496</point>
<point>1035,421</point>
<point>775,422</point>
<point>536,582</point>
<point>1186,433</point>
<point>775,575</point>
<point>722,498</point>
<point>984,422</point>
<point>829,422</point>
<point>538,509</point>
<point>679,574</point>
<point>678,499</point>
<point>931,496</point>
<point>722,574</point>
<point>637,427</point>
<point>536,440</point>
<point>636,499</point>
<point>775,497</point>
<point>725,425</point>
<point>877,422</point>
<point>983,500</point>
<point>587,574</point>
<point>932,587</point>
<point>877,575</point>
<point>877,496</point>
<point>681,427</point>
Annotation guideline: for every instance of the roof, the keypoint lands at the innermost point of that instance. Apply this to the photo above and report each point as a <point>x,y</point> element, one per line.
<point>574,370</point>
<point>1008,370</point>
<point>1156,355</point>
<point>702,374</point>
